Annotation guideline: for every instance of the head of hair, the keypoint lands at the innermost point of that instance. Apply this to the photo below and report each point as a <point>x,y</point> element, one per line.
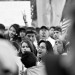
<point>52,27</point>
<point>2,26</point>
<point>57,28</point>
<point>37,29</point>
<point>22,30</point>
<point>29,59</point>
<point>16,27</point>
<point>29,44</point>
<point>48,46</point>
<point>16,45</point>
<point>30,30</point>
<point>43,27</point>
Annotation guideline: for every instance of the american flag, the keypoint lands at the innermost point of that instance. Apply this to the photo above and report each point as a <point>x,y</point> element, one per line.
<point>65,24</point>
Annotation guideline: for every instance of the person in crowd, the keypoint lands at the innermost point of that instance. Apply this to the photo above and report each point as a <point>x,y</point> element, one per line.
<point>13,32</point>
<point>31,35</point>
<point>8,65</point>
<point>37,35</point>
<point>57,32</point>
<point>51,31</point>
<point>54,65</point>
<point>29,60</point>
<point>51,35</point>
<point>44,47</point>
<point>27,45</point>
<point>2,30</point>
<point>22,33</point>
<point>60,47</point>
<point>44,33</point>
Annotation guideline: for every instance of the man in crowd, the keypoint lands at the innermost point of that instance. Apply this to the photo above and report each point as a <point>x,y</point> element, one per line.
<point>44,33</point>
<point>51,35</point>
<point>57,32</point>
<point>31,35</point>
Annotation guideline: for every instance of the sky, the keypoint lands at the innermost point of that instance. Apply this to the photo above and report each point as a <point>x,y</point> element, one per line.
<point>12,12</point>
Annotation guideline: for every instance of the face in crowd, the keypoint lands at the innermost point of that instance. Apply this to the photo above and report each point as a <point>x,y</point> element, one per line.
<point>58,48</point>
<point>51,32</point>
<point>12,32</point>
<point>57,33</point>
<point>22,34</point>
<point>41,49</point>
<point>25,47</point>
<point>31,36</point>
<point>44,33</point>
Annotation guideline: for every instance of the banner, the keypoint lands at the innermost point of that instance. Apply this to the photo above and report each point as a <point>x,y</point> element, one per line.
<point>49,12</point>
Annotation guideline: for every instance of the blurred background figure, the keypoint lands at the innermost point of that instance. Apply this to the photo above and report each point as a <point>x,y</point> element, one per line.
<point>8,55</point>
<point>2,30</point>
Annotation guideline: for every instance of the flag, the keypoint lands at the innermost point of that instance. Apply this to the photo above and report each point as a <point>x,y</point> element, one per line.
<point>65,24</point>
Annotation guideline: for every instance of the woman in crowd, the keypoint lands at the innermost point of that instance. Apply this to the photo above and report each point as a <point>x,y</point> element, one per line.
<point>13,32</point>
<point>60,47</point>
<point>44,47</point>
<point>27,45</point>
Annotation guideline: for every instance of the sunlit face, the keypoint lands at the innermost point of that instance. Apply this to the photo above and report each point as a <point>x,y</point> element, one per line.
<point>31,37</point>
<point>25,47</point>
<point>42,49</point>
<point>22,34</point>
<point>57,34</point>
<point>59,46</point>
<point>12,32</point>
<point>44,33</point>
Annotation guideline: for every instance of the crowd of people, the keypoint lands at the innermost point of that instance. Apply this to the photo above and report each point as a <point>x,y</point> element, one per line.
<point>37,51</point>
<point>31,44</point>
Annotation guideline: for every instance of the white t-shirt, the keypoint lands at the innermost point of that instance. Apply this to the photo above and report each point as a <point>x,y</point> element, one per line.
<point>52,41</point>
<point>36,70</point>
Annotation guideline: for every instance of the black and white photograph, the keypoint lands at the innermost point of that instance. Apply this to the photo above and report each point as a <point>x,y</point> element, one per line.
<point>37,37</point>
